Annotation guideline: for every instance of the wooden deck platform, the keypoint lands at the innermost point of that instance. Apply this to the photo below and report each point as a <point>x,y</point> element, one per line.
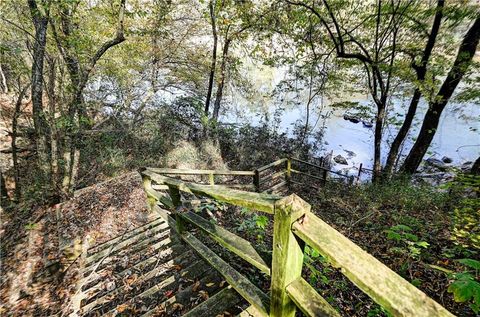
<point>148,271</point>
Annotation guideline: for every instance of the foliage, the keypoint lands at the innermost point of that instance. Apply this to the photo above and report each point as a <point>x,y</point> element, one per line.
<point>409,241</point>
<point>311,260</point>
<point>466,213</point>
<point>465,285</point>
<point>254,224</point>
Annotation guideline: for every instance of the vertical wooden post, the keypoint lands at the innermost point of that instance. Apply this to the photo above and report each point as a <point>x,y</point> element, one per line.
<point>211,179</point>
<point>147,185</point>
<point>177,202</point>
<point>324,176</point>
<point>256,181</point>
<point>287,259</point>
<point>289,170</point>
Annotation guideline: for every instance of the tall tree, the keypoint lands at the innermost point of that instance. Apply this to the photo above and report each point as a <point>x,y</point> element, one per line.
<point>40,13</point>
<point>420,69</point>
<point>376,54</point>
<point>429,127</point>
<point>79,74</point>
<point>212,6</point>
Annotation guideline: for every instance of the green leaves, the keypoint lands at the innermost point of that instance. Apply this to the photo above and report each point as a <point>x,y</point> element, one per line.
<point>474,264</point>
<point>412,245</point>
<point>465,289</point>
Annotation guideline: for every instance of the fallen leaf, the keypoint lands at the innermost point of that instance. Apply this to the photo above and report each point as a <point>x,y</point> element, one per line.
<point>196,286</point>
<point>210,284</point>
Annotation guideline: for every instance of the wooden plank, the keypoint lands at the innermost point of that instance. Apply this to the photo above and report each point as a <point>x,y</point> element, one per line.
<point>250,312</point>
<point>307,163</point>
<point>309,301</point>
<point>239,282</point>
<point>275,187</point>
<point>126,235</point>
<point>217,304</point>
<point>194,271</point>
<point>319,167</point>
<point>384,286</point>
<point>173,171</point>
<point>160,270</point>
<point>273,176</point>
<point>273,164</point>
<point>239,186</point>
<point>256,201</point>
<point>287,259</point>
<point>232,242</point>
<point>183,296</point>
<point>153,233</point>
<point>307,174</point>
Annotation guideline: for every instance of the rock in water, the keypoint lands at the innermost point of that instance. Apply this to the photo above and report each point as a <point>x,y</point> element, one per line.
<point>436,163</point>
<point>447,160</point>
<point>351,118</point>
<point>340,160</point>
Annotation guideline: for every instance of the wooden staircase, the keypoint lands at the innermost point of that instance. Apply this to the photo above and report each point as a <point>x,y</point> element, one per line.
<point>149,272</point>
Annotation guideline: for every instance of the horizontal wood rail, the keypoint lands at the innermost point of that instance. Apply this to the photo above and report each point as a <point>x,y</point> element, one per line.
<point>384,286</point>
<point>255,201</point>
<point>232,242</point>
<point>294,226</point>
<point>173,171</point>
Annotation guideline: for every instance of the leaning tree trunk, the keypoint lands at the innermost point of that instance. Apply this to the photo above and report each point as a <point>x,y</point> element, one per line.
<point>421,71</point>
<point>16,170</point>
<point>432,117</point>
<point>221,84</point>
<point>214,58</point>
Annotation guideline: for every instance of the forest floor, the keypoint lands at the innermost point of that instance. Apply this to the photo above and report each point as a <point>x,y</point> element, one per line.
<point>39,248</point>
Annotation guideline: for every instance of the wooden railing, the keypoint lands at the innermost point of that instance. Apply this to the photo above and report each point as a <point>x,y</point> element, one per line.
<point>294,226</point>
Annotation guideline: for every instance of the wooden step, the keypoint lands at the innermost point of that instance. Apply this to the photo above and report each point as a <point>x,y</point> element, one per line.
<point>194,271</point>
<point>161,269</point>
<point>217,304</point>
<point>126,235</point>
<point>123,243</point>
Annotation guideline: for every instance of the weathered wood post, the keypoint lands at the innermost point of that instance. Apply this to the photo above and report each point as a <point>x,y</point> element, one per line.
<point>147,185</point>
<point>177,202</point>
<point>256,181</point>
<point>287,257</point>
<point>211,179</point>
<point>324,176</point>
<point>288,167</point>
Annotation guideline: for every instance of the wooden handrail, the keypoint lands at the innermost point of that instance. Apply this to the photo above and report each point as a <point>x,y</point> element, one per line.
<point>173,171</point>
<point>256,201</point>
<point>293,222</point>
<point>273,164</point>
<point>384,286</point>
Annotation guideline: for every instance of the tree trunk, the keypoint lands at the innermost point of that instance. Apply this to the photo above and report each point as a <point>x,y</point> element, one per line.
<point>421,71</point>
<point>221,84</point>
<point>40,21</point>
<point>16,114</point>
<point>476,167</point>
<point>377,155</point>
<point>4,80</point>
<point>79,75</point>
<point>432,117</point>
<point>214,57</point>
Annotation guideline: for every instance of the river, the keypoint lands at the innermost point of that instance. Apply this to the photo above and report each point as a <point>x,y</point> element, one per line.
<point>458,135</point>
